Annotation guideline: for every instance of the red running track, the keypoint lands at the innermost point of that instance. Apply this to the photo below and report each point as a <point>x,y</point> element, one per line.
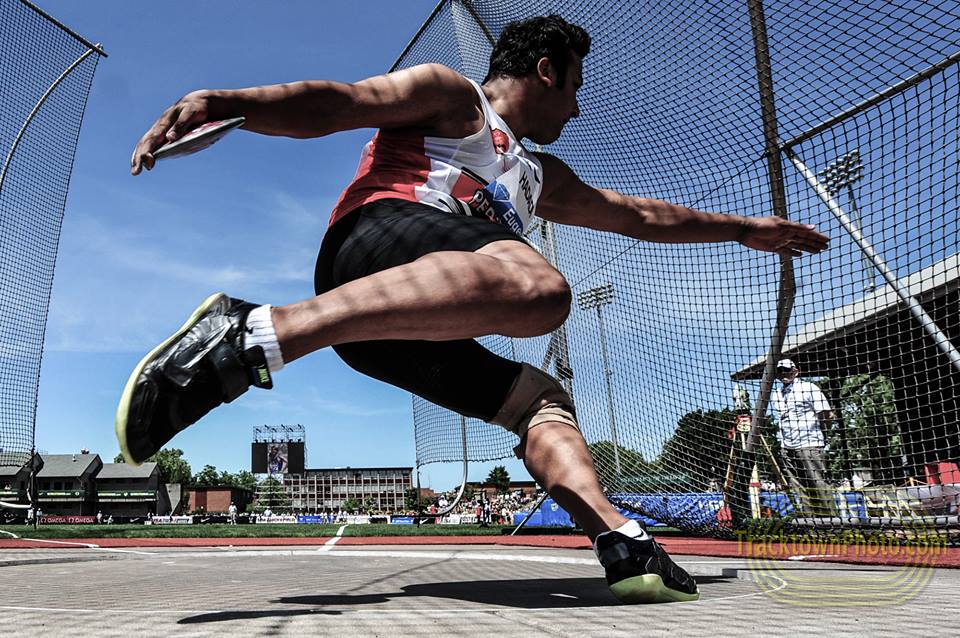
<point>801,549</point>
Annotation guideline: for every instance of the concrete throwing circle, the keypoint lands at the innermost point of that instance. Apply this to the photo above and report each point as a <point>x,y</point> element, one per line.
<point>320,579</point>
<point>333,590</point>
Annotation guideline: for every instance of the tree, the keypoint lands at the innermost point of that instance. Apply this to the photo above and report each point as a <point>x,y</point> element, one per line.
<point>245,480</point>
<point>207,477</point>
<point>633,468</point>
<point>370,505</point>
<point>351,505</point>
<point>500,478</point>
<point>699,450</point>
<point>867,428</point>
<point>411,499</point>
<point>173,467</point>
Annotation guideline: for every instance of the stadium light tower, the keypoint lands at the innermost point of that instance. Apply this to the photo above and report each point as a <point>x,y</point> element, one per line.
<point>843,173</point>
<point>599,297</point>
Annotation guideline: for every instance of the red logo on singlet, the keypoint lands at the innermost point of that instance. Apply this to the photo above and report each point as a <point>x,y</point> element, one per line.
<point>500,140</point>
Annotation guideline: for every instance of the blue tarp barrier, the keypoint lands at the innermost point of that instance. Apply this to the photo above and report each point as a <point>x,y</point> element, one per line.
<point>849,504</point>
<point>549,514</point>
<point>698,508</point>
<point>401,520</point>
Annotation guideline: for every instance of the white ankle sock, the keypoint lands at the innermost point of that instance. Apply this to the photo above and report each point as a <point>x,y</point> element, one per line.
<point>631,528</point>
<point>259,332</point>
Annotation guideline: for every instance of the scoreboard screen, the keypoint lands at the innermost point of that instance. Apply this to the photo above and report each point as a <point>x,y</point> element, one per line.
<point>277,457</point>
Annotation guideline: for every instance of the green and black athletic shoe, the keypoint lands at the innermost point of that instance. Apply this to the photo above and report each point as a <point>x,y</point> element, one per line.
<point>639,571</point>
<point>202,365</point>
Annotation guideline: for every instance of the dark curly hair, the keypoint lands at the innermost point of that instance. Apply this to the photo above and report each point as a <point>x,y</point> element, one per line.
<point>523,43</point>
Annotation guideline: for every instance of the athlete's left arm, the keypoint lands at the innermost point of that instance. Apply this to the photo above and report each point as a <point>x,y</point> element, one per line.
<point>566,199</point>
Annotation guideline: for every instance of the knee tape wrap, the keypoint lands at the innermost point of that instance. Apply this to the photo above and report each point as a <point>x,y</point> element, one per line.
<point>535,398</point>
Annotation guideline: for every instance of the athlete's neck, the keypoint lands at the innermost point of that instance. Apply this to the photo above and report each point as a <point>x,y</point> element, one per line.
<point>510,98</point>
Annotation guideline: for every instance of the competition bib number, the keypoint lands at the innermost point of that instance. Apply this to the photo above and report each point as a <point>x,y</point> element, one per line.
<point>508,200</point>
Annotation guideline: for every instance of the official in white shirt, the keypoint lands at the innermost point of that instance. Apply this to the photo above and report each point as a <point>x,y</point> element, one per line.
<point>804,412</point>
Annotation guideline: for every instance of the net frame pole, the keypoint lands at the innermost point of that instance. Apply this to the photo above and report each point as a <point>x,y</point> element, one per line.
<point>740,509</point>
<point>463,484</point>
<point>561,353</point>
<point>36,109</point>
<point>96,47</point>
<point>468,5</point>
<point>873,100</point>
<point>916,309</point>
<point>416,36</point>
<point>530,514</point>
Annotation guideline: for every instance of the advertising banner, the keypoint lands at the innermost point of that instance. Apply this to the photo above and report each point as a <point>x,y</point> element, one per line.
<point>67,520</point>
<point>170,520</point>
<point>277,518</point>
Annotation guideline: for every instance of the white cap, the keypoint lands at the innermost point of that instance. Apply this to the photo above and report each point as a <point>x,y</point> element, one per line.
<point>786,363</point>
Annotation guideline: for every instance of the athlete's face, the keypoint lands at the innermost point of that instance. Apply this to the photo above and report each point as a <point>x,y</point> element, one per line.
<point>559,105</point>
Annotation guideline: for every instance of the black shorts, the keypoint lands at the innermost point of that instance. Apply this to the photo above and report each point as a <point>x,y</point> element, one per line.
<point>459,375</point>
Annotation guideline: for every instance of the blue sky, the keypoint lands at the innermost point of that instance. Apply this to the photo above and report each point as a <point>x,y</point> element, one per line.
<point>246,217</point>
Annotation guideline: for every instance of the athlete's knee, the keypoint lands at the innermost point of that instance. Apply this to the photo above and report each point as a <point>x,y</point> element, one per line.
<point>549,297</point>
<point>558,299</point>
<point>535,398</point>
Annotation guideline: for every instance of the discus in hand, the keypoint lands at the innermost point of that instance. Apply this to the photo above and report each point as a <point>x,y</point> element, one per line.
<point>198,139</point>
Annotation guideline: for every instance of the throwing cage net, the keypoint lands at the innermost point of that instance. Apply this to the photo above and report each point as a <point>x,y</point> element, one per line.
<point>831,113</point>
<point>45,76</point>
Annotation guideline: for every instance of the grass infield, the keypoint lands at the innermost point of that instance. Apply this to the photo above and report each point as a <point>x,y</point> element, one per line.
<point>261,531</point>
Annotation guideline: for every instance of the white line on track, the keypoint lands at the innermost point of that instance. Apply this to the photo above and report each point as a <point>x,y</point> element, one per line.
<point>333,541</point>
<point>3,531</point>
<point>89,546</point>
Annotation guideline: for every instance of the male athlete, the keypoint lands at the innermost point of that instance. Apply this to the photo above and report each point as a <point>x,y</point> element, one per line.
<point>424,253</point>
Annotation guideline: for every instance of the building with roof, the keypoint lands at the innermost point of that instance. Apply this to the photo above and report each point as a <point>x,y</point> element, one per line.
<point>217,499</point>
<point>327,489</point>
<point>66,484</point>
<point>13,484</point>
<point>877,335</point>
<point>131,491</point>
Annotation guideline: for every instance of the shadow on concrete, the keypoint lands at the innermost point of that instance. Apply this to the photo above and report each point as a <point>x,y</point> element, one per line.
<point>540,593</point>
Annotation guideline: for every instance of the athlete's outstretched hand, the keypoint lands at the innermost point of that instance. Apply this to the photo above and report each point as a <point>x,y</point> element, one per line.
<point>189,112</point>
<point>784,237</point>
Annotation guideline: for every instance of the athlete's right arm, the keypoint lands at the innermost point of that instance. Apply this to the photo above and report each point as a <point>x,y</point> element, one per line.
<point>421,97</point>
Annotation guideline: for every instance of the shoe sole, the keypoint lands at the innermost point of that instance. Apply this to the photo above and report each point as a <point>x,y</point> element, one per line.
<point>123,410</point>
<point>648,588</point>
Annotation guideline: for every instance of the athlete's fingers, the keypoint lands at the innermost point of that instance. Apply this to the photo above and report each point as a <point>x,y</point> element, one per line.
<point>788,251</point>
<point>809,246</point>
<point>153,139</point>
<point>189,117</point>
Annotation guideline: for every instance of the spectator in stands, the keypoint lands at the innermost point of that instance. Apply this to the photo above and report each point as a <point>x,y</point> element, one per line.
<point>804,411</point>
